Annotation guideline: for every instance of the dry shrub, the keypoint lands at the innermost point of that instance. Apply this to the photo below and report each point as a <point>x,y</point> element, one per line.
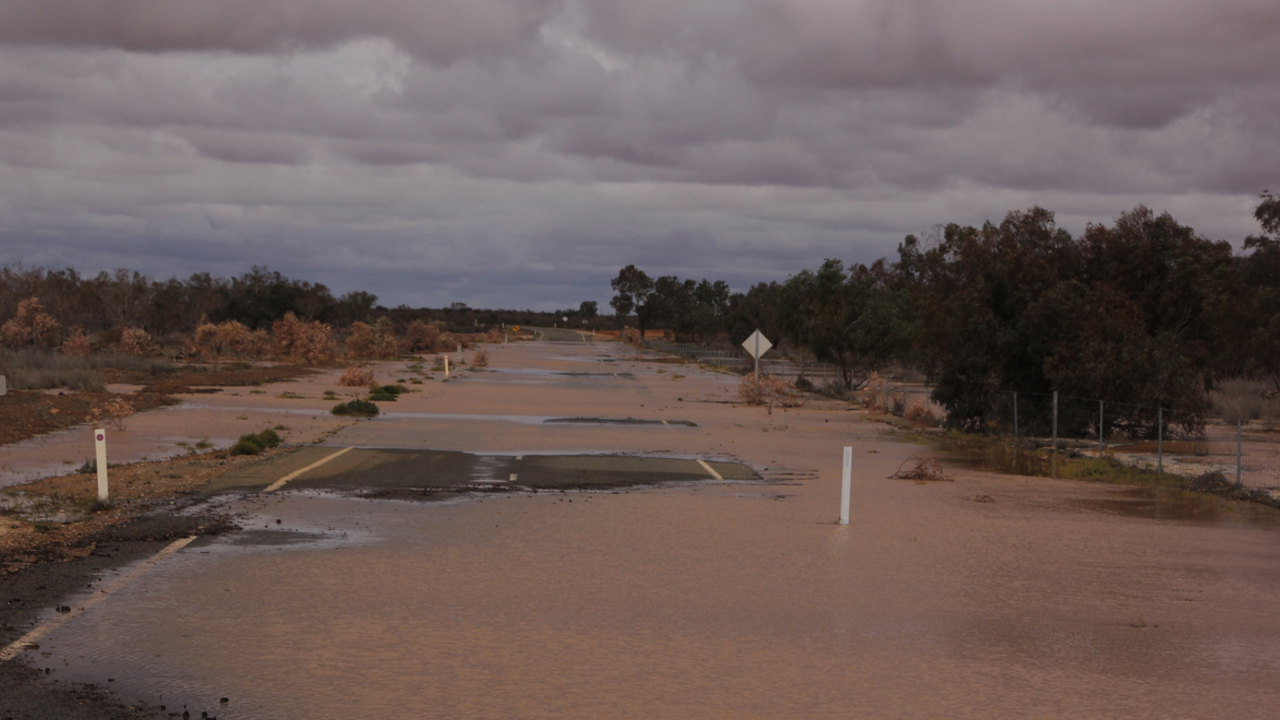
<point>360,341</point>
<point>926,470</point>
<point>77,344</point>
<point>449,342</point>
<point>631,336</point>
<point>136,342</point>
<point>493,335</point>
<point>356,376</point>
<point>480,359</point>
<point>923,414</point>
<point>302,341</point>
<point>378,341</point>
<point>30,325</point>
<point>423,336</point>
<point>767,390</point>
<point>112,412</point>
<point>229,338</point>
<point>881,399</point>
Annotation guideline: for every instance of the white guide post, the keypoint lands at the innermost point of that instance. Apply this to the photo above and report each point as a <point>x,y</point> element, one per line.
<point>100,443</point>
<point>446,366</point>
<point>845,485</point>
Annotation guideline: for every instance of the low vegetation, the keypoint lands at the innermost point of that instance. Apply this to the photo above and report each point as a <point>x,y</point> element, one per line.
<point>255,443</point>
<point>356,407</point>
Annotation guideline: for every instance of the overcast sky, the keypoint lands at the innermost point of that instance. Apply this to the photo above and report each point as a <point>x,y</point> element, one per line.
<point>517,153</point>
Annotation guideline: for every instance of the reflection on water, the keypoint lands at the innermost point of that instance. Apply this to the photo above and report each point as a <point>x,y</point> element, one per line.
<point>1174,504</point>
<point>692,603</point>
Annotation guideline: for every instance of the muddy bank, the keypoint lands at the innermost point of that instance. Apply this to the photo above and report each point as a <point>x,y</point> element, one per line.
<point>33,692</point>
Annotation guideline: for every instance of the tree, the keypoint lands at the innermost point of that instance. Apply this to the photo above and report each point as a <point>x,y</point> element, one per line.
<point>1268,213</point>
<point>633,288</point>
<point>589,309</point>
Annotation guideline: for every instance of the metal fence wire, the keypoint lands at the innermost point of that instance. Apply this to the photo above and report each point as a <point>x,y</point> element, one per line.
<point>1246,453</point>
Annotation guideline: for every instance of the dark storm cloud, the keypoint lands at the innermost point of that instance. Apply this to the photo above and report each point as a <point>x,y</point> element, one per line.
<point>733,138</point>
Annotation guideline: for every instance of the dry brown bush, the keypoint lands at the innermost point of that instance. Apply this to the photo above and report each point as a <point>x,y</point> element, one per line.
<point>631,336</point>
<point>230,338</point>
<point>136,341</point>
<point>376,341</point>
<point>360,341</point>
<point>926,470</point>
<point>356,376</point>
<point>423,336</point>
<point>923,414</point>
<point>881,398</point>
<point>302,341</point>
<point>480,359</point>
<point>112,412</point>
<point>449,342</point>
<point>767,390</point>
<point>77,344</point>
<point>30,325</point>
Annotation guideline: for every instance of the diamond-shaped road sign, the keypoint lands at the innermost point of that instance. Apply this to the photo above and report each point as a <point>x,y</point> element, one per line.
<point>757,344</point>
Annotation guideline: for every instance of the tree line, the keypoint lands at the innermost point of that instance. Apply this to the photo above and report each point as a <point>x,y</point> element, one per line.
<point>1144,312</point>
<point>103,305</point>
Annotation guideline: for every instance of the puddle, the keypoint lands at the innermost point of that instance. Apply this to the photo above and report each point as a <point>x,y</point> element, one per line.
<point>1182,505</point>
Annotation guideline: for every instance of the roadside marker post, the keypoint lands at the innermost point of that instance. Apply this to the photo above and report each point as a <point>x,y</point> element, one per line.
<point>846,483</point>
<point>446,367</point>
<point>100,445</point>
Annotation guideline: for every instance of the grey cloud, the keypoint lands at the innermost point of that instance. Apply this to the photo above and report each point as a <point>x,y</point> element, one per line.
<point>743,139</point>
<point>440,31</point>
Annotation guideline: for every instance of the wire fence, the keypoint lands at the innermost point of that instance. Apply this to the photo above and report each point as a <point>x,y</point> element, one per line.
<point>1245,452</point>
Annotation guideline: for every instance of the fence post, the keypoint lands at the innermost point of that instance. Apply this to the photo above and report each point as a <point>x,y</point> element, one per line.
<point>1101,425</point>
<point>1239,425</point>
<point>1054,471</point>
<point>846,481</point>
<point>1160,440</point>
<point>1015,418</point>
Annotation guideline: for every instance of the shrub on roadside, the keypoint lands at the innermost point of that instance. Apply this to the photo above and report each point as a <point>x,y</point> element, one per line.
<point>355,407</point>
<point>135,341</point>
<point>480,359</point>
<point>422,337</point>
<point>302,341</point>
<point>356,376</point>
<point>767,390</point>
<point>30,325</point>
<point>385,393</point>
<point>77,344</point>
<point>255,443</point>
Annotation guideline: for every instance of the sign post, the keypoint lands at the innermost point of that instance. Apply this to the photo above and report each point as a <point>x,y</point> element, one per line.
<point>757,345</point>
<point>100,443</point>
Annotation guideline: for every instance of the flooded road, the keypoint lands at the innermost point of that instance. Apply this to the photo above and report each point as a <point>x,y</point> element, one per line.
<point>988,597</point>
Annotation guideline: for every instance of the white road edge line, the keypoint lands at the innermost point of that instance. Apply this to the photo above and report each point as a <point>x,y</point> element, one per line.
<point>25,642</point>
<point>280,483</point>
<point>709,469</point>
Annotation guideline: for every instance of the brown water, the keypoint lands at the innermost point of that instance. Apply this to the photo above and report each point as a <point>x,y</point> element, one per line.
<point>993,596</point>
<point>714,601</point>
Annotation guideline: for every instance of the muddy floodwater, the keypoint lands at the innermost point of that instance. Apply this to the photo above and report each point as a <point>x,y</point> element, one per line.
<point>714,601</point>
<point>987,597</point>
